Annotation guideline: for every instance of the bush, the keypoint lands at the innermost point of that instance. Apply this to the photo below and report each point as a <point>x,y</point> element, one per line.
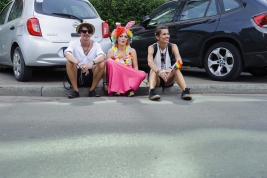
<point>3,3</point>
<point>113,11</point>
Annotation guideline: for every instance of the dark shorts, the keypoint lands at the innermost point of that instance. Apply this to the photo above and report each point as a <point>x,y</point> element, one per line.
<point>84,81</point>
<point>162,83</point>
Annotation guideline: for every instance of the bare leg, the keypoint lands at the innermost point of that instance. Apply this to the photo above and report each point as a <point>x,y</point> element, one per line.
<point>153,80</point>
<point>98,71</point>
<point>72,74</point>
<point>179,78</point>
<point>105,81</point>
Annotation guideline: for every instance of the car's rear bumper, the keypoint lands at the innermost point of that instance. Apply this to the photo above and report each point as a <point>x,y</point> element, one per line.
<point>40,52</point>
<point>258,59</point>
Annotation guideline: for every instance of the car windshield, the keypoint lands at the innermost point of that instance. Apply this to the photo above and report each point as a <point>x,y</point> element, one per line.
<point>76,8</point>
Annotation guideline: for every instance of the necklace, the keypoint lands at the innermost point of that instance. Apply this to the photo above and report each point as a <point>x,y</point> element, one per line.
<point>88,48</point>
<point>163,55</point>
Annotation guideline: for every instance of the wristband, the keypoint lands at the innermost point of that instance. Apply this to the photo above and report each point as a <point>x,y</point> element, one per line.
<point>94,62</point>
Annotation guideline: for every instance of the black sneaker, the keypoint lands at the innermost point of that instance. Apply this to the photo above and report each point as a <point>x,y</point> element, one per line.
<point>186,94</point>
<point>153,95</point>
<point>74,94</point>
<point>93,93</point>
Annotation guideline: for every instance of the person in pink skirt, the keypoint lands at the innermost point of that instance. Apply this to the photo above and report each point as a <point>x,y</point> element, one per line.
<point>122,74</point>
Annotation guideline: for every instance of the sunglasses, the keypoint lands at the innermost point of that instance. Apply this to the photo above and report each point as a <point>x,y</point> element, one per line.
<point>85,31</point>
<point>163,57</point>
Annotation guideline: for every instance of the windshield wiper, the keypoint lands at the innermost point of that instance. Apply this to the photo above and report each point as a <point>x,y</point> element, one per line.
<point>70,16</point>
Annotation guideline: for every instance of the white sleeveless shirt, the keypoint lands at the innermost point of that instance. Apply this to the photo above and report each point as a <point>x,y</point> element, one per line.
<point>157,59</point>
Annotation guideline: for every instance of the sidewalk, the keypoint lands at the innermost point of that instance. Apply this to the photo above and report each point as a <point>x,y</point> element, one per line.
<point>49,83</point>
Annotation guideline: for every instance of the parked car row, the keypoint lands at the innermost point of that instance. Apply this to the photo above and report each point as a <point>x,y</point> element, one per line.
<point>225,37</point>
<point>34,33</point>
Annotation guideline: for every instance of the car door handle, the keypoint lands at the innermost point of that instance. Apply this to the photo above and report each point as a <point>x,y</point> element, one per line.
<point>12,28</point>
<point>210,20</point>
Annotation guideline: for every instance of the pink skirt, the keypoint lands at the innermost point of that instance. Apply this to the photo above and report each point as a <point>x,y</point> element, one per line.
<point>122,78</point>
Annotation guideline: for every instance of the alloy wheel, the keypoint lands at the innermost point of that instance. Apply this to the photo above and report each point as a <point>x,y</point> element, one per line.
<point>220,61</point>
<point>17,64</point>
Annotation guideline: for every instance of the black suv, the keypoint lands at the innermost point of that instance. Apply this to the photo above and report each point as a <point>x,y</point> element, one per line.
<point>225,37</point>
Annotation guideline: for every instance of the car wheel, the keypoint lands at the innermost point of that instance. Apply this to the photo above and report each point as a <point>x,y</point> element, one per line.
<point>258,71</point>
<point>21,71</point>
<point>223,62</point>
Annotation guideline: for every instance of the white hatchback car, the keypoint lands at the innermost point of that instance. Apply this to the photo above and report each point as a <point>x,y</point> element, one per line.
<point>35,33</point>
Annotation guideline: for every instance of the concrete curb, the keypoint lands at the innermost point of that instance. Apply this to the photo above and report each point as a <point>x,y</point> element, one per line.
<point>60,91</point>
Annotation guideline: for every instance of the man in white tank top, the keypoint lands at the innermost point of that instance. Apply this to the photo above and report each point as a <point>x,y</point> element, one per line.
<point>162,73</point>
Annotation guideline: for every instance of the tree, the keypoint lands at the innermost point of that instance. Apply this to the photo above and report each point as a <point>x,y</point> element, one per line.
<point>3,3</point>
<point>113,11</point>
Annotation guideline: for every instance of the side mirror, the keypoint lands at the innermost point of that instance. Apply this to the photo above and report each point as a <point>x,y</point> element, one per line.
<point>145,20</point>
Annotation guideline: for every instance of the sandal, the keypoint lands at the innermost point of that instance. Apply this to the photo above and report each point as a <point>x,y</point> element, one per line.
<point>105,86</point>
<point>131,93</point>
<point>117,94</point>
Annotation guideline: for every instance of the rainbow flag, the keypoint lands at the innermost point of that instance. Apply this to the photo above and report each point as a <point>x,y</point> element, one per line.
<point>177,65</point>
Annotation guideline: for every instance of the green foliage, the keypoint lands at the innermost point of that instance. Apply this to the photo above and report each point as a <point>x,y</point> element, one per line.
<point>123,11</point>
<point>3,3</point>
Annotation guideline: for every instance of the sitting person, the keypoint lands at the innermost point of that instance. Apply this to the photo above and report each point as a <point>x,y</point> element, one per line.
<point>161,73</point>
<point>84,57</point>
<point>123,76</point>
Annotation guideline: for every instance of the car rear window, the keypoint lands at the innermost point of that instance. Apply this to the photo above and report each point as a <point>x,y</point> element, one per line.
<point>78,8</point>
<point>230,5</point>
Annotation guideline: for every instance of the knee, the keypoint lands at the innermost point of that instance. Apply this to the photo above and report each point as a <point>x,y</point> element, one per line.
<point>70,65</point>
<point>101,65</point>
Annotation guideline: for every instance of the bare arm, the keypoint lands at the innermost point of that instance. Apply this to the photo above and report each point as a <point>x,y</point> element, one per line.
<point>135,63</point>
<point>150,60</point>
<point>110,54</point>
<point>71,58</point>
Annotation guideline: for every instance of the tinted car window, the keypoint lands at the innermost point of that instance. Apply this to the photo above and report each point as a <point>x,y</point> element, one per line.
<point>164,14</point>
<point>230,5</point>
<point>3,14</point>
<point>76,8</point>
<point>212,9</point>
<point>195,9</point>
<point>16,10</point>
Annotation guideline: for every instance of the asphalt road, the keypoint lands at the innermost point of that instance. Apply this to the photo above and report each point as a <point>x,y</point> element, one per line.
<point>222,136</point>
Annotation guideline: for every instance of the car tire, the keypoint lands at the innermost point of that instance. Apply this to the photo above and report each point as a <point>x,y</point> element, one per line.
<point>21,71</point>
<point>258,71</point>
<point>223,62</point>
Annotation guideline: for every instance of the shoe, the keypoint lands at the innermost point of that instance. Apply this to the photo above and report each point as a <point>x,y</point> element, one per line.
<point>153,95</point>
<point>186,94</point>
<point>130,93</point>
<point>74,94</point>
<point>117,94</point>
<point>93,94</point>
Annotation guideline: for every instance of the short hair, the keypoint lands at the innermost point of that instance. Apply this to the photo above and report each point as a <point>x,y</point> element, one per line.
<point>159,29</point>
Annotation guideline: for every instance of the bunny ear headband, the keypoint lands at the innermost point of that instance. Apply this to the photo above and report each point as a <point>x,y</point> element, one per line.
<point>119,30</point>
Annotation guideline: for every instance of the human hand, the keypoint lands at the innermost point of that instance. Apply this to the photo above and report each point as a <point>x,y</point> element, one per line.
<point>84,69</point>
<point>163,75</point>
<point>168,71</point>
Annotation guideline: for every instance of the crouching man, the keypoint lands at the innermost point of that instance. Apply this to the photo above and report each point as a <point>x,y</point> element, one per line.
<point>85,60</point>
